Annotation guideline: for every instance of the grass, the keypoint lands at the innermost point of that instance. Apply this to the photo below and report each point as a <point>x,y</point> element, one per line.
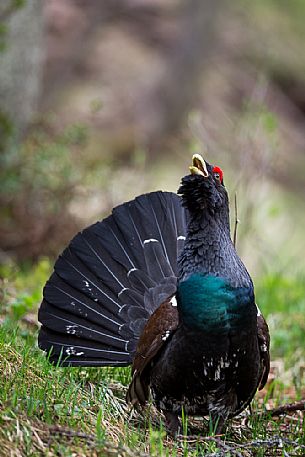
<point>52,411</point>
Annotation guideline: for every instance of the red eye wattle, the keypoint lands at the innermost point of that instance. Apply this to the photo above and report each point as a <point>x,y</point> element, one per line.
<point>218,173</point>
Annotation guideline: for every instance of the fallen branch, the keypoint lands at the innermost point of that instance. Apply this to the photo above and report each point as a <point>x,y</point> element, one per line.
<point>217,439</point>
<point>290,407</point>
<point>235,449</point>
<point>275,442</point>
<point>226,448</point>
<point>55,430</point>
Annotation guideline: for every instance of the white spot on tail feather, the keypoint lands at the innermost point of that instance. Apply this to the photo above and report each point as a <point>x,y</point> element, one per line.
<point>131,270</point>
<point>71,351</point>
<point>150,240</point>
<point>87,284</point>
<point>124,288</point>
<point>180,237</point>
<point>71,329</point>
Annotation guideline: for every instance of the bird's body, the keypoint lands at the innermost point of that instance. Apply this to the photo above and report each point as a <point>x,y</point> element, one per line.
<point>163,287</point>
<point>211,367</point>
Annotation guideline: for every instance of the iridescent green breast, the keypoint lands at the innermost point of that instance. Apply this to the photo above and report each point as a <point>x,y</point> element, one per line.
<point>211,304</point>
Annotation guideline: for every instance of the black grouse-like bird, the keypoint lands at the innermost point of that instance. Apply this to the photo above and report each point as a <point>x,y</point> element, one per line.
<point>159,285</point>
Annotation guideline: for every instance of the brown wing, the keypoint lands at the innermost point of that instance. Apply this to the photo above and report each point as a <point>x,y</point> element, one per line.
<point>264,343</point>
<point>158,329</point>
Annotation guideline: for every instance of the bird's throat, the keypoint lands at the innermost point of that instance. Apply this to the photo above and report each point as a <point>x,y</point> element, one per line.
<point>209,251</point>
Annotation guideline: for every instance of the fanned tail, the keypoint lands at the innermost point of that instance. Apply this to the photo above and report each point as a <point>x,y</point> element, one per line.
<point>109,280</point>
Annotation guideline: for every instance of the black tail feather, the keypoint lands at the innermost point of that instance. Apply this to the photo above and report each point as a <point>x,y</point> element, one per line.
<point>69,299</point>
<point>77,275</point>
<point>92,254</point>
<point>156,263</point>
<point>63,346</point>
<point>140,281</point>
<point>109,280</point>
<point>62,322</point>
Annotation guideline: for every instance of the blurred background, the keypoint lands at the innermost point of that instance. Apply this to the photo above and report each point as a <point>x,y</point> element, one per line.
<point>101,101</point>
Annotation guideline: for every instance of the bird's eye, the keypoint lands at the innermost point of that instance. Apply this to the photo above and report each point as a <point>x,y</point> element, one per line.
<point>218,174</point>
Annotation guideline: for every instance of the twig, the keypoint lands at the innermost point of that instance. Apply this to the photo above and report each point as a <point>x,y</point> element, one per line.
<point>237,221</point>
<point>276,441</point>
<point>55,430</point>
<point>224,448</point>
<point>290,407</point>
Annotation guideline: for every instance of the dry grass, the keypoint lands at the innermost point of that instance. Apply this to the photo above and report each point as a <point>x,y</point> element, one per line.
<point>82,412</point>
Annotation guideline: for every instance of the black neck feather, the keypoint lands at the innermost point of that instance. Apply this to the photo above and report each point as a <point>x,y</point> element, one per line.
<point>209,249</point>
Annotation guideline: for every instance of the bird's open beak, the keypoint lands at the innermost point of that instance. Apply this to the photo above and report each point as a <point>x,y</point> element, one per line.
<point>199,166</point>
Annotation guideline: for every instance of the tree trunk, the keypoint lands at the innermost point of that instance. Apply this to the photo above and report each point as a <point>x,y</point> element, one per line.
<point>21,62</point>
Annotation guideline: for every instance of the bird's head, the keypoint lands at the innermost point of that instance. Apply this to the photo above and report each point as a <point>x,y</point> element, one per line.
<point>203,189</point>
